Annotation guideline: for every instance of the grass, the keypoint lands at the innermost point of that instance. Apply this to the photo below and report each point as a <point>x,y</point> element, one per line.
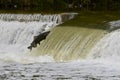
<point>93,19</point>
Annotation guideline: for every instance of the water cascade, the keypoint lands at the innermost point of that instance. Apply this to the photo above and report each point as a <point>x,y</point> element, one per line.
<point>18,30</point>
<point>69,43</point>
<point>64,43</point>
<point>31,17</point>
<point>108,47</point>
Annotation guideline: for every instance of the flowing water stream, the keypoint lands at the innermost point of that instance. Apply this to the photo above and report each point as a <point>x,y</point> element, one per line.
<point>68,53</point>
<point>73,44</point>
<point>17,32</point>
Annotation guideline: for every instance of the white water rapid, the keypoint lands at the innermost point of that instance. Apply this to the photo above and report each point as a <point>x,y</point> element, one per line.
<point>17,32</point>
<point>108,48</point>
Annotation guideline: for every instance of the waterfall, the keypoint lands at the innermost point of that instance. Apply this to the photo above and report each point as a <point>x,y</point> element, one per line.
<point>69,43</point>
<point>64,43</point>
<point>108,47</point>
<point>30,17</point>
<point>17,32</point>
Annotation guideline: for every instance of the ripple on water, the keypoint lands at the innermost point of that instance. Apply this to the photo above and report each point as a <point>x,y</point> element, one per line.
<point>59,71</point>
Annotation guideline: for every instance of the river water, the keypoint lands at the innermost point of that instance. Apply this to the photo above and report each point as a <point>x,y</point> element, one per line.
<point>83,54</point>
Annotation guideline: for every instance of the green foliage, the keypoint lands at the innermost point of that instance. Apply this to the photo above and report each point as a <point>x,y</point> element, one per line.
<point>85,1</point>
<point>107,4</point>
<point>44,5</point>
<point>60,5</point>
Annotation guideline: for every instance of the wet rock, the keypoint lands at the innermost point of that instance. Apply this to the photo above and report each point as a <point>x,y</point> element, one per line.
<point>36,75</point>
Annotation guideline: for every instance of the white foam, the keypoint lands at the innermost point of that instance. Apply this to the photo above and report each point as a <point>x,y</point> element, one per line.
<point>114,24</point>
<point>108,48</point>
<point>20,34</point>
<point>16,36</point>
<point>56,18</point>
<point>24,58</point>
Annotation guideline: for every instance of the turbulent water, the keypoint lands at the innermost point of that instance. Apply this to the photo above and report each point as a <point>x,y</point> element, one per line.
<point>73,44</point>
<point>81,53</point>
<point>108,47</point>
<point>17,32</point>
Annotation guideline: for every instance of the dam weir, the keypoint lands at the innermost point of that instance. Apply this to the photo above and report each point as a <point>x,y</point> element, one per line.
<point>62,44</point>
<point>67,53</point>
<point>69,43</point>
